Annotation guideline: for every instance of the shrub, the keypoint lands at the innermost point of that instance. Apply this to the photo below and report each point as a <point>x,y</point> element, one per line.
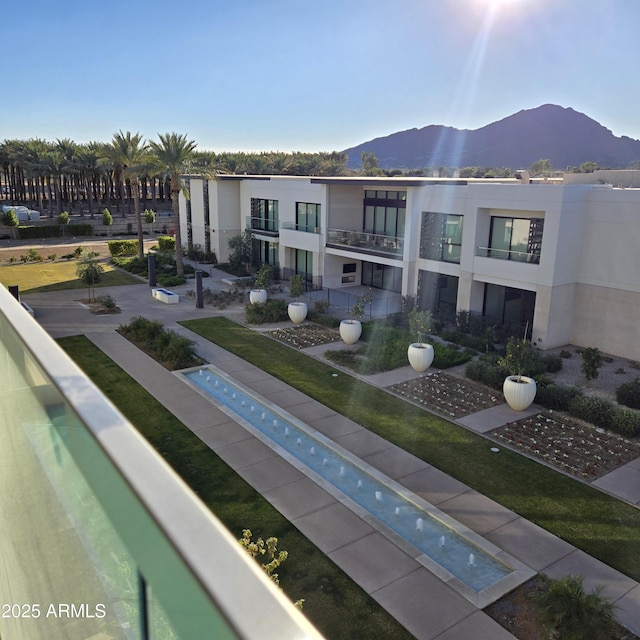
<point>123,247</point>
<point>44,231</point>
<point>324,320</point>
<point>470,342</point>
<point>626,422</point>
<point>107,302</point>
<point>629,394</point>
<point>445,357</point>
<point>556,396</point>
<point>594,409</point>
<point>273,311</point>
<point>488,372</point>
<point>167,243</point>
<point>522,359</point>
<point>565,354</point>
<point>592,360</point>
<point>170,280</point>
<point>82,229</point>
<point>571,613</point>
<point>32,255</point>
<point>63,218</point>
<point>52,257</point>
<point>552,364</point>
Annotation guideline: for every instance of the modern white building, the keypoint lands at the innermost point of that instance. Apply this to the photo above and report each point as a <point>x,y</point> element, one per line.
<point>557,258</point>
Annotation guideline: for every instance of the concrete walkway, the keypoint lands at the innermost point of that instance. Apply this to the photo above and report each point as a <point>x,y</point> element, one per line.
<point>424,604</point>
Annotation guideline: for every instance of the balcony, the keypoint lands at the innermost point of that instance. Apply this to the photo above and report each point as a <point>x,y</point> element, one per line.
<point>362,242</point>
<point>293,226</point>
<point>506,254</point>
<point>92,518</point>
<point>264,226</point>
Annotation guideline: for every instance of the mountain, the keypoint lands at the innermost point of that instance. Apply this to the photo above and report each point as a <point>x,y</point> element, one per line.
<point>562,135</point>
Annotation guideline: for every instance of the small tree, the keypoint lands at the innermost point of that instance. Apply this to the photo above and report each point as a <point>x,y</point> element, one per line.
<point>90,271</point>
<point>63,219</point>
<point>263,277</point>
<point>357,311</point>
<point>296,286</point>
<point>420,322</point>
<point>107,219</point>
<point>10,219</point>
<point>591,362</point>
<point>570,613</point>
<point>520,358</point>
<point>241,250</point>
<point>270,549</point>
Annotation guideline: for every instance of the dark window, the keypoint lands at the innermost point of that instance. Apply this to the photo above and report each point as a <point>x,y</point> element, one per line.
<point>384,213</point>
<point>438,293</point>
<point>349,267</point>
<point>441,237</point>
<point>264,214</point>
<point>518,239</point>
<point>307,217</point>
<point>513,308</point>
<point>382,276</point>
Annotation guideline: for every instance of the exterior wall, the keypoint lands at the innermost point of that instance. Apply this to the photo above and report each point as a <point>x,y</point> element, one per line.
<point>587,282</point>
<point>196,193</point>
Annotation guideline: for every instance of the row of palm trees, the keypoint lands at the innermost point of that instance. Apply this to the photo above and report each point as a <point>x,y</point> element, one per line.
<point>127,170</point>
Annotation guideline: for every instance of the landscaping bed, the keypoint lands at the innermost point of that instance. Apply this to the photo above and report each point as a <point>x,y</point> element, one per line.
<point>581,450</point>
<point>448,395</point>
<point>308,335</point>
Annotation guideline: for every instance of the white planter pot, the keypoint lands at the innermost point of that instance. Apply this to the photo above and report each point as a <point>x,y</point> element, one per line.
<point>420,356</point>
<point>350,331</point>
<point>297,311</point>
<point>258,296</point>
<point>519,395</point>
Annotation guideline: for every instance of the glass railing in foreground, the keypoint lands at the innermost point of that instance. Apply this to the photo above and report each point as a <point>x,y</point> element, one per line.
<point>100,539</point>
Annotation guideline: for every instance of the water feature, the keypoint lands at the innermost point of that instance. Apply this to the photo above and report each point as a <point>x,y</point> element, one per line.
<point>421,525</point>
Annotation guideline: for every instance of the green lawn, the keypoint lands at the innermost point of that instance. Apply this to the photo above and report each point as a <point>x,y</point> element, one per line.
<point>40,277</point>
<point>333,602</point>
<point>600,525</point>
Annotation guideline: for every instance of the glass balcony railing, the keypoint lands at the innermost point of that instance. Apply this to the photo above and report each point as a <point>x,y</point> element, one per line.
<point>293,226</point>
<point>99,537</point>
<point>365,242</point>
<point>265,225</point>
<point>507,254</point>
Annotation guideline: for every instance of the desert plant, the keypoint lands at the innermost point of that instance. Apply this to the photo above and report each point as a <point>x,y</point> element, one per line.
<point>107,302</point>
<point>592,360</point>
<point>570,613</point>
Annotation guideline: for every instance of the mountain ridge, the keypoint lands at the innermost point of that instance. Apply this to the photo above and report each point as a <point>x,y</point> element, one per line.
<point>560,134</point>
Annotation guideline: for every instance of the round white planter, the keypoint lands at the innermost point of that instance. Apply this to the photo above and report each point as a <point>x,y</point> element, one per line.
<point>350,331</point>
<point>519,395</point>
<point>297,311</point>
<point>420,356</point>
<point>258,296</point>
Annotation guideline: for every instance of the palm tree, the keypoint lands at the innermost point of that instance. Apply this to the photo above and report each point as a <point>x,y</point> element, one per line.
<point>173,153</point>
<point>131,153</point>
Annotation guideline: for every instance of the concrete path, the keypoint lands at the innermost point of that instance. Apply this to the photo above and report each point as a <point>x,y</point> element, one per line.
<point>428,607</point>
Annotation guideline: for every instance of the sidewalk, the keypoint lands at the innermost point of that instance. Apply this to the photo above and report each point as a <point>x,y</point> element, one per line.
<point>428,607</point>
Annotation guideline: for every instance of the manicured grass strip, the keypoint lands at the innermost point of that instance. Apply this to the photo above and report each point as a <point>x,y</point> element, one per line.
<point>600,525</point>
<point>41,277</point>
<point>333,602</point>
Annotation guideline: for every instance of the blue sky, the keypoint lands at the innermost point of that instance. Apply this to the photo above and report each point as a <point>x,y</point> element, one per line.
<point>310,75</point>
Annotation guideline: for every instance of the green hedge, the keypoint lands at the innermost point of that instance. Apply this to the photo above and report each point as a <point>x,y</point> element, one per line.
<point>46,231</point>
<point>273,310</point>
<point>123,247</point>
<point>628,393</point>
<point>167,243</point>
<point>29,232</point>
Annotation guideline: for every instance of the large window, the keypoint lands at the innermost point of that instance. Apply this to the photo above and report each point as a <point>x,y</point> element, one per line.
<point>304,264</point>
<point>264,214</point>
<point>382,276</point>
<point>441,237</point>
<point>438,293</point>
<point>518,239</point>
<point>265,252</point>
<point>307,217</point>
<point>506,306</point>
<point>384,212</point>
